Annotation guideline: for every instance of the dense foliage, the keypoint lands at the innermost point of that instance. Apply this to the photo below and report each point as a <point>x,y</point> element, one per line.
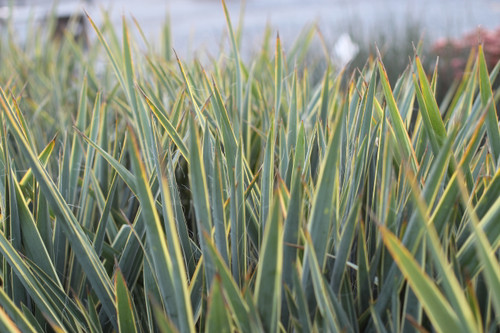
<point>140,193</point>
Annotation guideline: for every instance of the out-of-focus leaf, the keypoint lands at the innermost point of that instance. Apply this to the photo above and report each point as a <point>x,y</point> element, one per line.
<point>125,313</point>
<point>437,307</point>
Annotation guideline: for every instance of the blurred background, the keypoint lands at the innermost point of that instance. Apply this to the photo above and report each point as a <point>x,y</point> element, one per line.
<point>345,30</point>
<point>200,23</point>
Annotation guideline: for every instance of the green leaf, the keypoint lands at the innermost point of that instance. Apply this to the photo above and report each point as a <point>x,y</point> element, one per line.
<point>322,214</point>
<point>189,88</point>
<point>27,180</point>
<point>10,309</point>
<point>267,182</point>
<point>238,306</point>
<point>269,274</point>
<point>320,291</point>
<point>236,55</point>
<point>486,254</point>
<point>238,227</point>
<point>28,280</point>
<point>489,102</point>
<point>33,244</point>
<point>78,240</point>
<point>293,114</point>
<point>165,123</point>
<point>224,125</point>
<point>344,248</point>
<point>126,175</point>
<point>217,317</point>
<point>402,138</point>
<point>179,273</point>
<point>430,105</point>
<point>217,204</point>
<point>449,282</point>
<point>292,227</point>
<point>278,81</point>
<point>6,324</point>
<point>175,300</point>
<point>323,116</point>
<point>125,308</point>
<point>435,304</point>
<point>76,148</point>
<point>198,183</point>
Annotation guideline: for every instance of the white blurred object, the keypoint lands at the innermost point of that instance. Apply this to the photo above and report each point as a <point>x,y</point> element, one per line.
<point>344,50</point>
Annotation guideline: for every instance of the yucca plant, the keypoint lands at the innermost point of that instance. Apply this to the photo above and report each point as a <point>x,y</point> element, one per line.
<point>143,193</point>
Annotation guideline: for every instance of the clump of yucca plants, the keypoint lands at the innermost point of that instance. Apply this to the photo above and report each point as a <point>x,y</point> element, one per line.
<point>306,207</point>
